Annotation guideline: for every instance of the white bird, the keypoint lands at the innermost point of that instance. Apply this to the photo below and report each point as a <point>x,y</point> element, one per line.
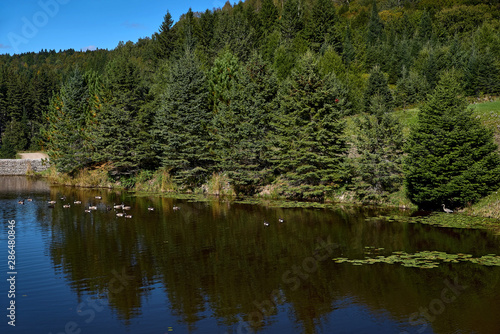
<point>446,210</point>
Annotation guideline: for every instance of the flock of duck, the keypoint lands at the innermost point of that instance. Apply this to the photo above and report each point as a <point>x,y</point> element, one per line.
<point>91,208</point>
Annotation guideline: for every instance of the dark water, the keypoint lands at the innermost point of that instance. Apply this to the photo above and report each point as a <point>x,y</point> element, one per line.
<point>213,267</point>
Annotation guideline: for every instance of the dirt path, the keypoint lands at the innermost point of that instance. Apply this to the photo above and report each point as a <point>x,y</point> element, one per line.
<point>34,156</point>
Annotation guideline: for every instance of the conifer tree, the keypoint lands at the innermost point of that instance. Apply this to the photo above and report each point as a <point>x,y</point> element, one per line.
<point>310,145</point>
<point>375,26</point>
<point>222,77</point>
<point>165,38</point>
<point>70,113</point>
<point>377,86</point>
<point>321,27</point>
<point>452,158</point>
<point>241,129</point>
<point>180,127</point>
<point>268,16</point>
<point>292,19</point>
<point>123,136</point>
<point>13,139</point>
<point>379,145</point>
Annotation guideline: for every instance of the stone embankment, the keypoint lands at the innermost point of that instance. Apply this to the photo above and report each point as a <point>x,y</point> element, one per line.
<point>30,162</point>
<point>21,166</point>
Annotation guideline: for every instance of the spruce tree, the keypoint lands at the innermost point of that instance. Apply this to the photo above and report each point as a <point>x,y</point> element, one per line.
<point>123,135</point>
<point>165,39</point>
<point>180,127</point>
<point>377,86</point>
<point>310,150</point>
<point>66,134</point>
<point>241,129</point>
<point>379,147</point>
<point>452,158</point>
<point>292,19</point>
<point>321,27</point>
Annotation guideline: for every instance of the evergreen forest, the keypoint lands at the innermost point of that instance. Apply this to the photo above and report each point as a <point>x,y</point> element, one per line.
<point>286,98</point>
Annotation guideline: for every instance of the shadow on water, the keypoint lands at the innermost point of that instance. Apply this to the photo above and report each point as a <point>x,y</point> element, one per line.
<point>213,266</point>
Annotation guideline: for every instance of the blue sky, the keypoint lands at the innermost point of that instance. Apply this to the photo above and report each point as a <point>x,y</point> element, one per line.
<point>33,25</point>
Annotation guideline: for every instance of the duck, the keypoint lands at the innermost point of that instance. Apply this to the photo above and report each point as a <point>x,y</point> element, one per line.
<point>176,208</point>
<point>151,208</point>
<point>66,206</point>
<point>120,214</point>
<point>87,211</point>
<point>92,207</point>
<point>98,197</point>
<point>119,206</point>
<point>128,216</point>
<point>266,223</point>
<point>63,198</point>
<point>77,202</point>
<point>29,199</point>
<point>51,202</point>
<point>126,207</point>
<point>20,202</point>
<point>281,220</point>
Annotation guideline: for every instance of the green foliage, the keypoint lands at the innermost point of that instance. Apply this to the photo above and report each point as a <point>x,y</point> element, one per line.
<point>410,89</point>
<point>241,129</point>
<point>122,136</point>
<point>14,139</point>
<point>310,149</point>
<point>321,27</point>
<point>451,158</point>
<point>221,79</point>
<point>377,86</point>
<point>70,116</point>
<point>292,19</point>
<point>379,147</point>
<point>180,124</point>
<point>375,27</point>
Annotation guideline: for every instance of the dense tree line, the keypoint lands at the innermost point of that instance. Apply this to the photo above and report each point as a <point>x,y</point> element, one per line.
<point>259,92</point>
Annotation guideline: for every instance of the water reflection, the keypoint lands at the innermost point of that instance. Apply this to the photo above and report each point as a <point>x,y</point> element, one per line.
<point>212,267</point>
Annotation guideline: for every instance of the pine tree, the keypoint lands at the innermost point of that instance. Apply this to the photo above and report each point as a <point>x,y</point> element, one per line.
<point>310,145</point>
<point>411,88</point>
<point>180,127</point>
<point>241,129</point>
<point>377,86</point>
<point>292,19</point>
<point>321,27</point>
<point>123,135</point>
<point>13,139</point>
<point>165,38</point>
<point>452,158</point>
<point>375,26</point>
<point>379,146</point>
<point>268,16</point>
<point>222,77</point>
<point>69,115</point>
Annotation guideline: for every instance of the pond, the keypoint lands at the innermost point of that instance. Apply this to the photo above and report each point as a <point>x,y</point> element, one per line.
<point>214,266</point>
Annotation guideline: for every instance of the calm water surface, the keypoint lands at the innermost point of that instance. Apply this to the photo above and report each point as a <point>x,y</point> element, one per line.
<point>213,267</point>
